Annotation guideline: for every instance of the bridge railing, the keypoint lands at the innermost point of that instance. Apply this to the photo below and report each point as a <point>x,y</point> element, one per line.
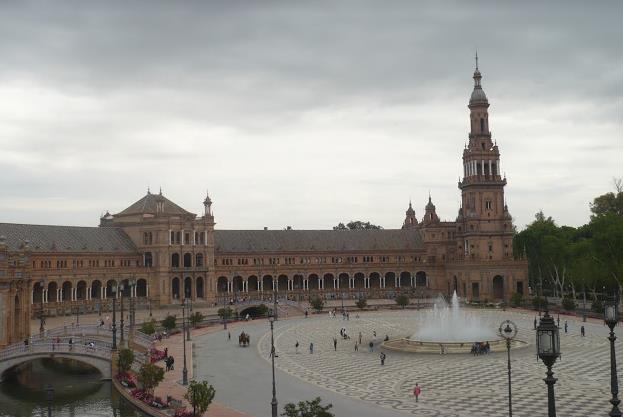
<point>52,347</point>
<point>86,330</point>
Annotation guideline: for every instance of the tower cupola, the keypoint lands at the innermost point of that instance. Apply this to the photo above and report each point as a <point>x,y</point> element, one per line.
<point>410,219</point>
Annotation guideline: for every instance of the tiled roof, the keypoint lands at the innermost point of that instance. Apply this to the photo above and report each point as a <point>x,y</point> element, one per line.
<point>147,205</point>
<point>44,238</point>
<point>315,240</point>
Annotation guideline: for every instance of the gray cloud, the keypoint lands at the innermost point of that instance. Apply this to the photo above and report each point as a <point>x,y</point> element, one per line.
<point>305,114</point>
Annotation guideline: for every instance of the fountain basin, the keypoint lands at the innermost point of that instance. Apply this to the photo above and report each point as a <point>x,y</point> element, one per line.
<point>417,346</point>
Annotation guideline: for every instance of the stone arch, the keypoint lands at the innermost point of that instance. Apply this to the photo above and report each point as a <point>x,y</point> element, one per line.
<point>175,260</point>
<point>175,288</point>
<point>237,285</point>
<point>498,287</point>
<point>52,289</point>
<point>141,288</point>
<point>390,280</point>
<point>313,282</point>
<point>37,292</point>
<point>343,281</point>
<point>222,285</point>
<point>110,285</point>
<point>81,290</point>
<point>405,279</point>
<point>375,280</point>
<point>267,283</point>
<point>199,259</point>
<point>455,284</point>
<point>126,288</point>
<point>253,283</point>
<point>282,283</point>
<point>188,287</point>
<point>360,280</point>
<point>421,279</point>
<point>96,289</point>
<point>297,282</point>
<point>199,290</point>
<point>66,288</point>
<point>188,260</point>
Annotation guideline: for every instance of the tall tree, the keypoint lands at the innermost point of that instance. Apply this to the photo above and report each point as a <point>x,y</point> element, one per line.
<point>356,225</point>
<point>609,203</point>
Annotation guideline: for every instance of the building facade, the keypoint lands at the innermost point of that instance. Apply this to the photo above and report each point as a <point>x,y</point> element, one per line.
<point>161,253</point>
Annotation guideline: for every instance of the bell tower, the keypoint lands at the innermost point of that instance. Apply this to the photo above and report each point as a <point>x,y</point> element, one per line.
<point>484,224</point>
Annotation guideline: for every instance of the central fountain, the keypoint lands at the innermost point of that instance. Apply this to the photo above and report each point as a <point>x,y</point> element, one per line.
<point>449,329</point>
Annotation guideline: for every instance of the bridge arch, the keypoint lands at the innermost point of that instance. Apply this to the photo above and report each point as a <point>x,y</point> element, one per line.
<point>101,364</point>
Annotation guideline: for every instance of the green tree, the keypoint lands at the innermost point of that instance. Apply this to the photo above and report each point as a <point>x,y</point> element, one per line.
<point>150,375</point>
<point>361,303</point>
<point>125,360</point>
<point>609,203</point>
<point>200,396</point>
<point>225,313</point>
<point>307,409</point>
<point>356,225</point>
<point>402,300</point>
<point>317,303</point>
<point>608,246</point>
<point>148,327</point>
<point>195,318</point>
<point>169,322</point>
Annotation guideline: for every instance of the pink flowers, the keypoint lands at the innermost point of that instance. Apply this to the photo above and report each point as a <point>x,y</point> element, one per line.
<point>141,395</point>
<point>127,379</point>
<point>156,355</point>
<point>182,412</point>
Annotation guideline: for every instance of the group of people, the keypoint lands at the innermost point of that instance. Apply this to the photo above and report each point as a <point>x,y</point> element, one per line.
<point>480,348</point>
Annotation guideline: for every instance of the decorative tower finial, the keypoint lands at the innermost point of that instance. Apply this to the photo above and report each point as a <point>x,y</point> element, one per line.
<point>161,190</point>
<point>476,59</point>
<point>148,191</point>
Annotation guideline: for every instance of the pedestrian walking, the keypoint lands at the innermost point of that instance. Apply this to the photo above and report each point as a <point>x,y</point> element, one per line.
<point>371,346</point>
<point>311,348</point>
<point>535,323</point>
<point>566,326</point>
<point>356,347</point>
<point>582,333</point>
<point>166,352</point>
<point>335,344</point>
<point>228,336</point>
<point>359,337</point>
<point>296,347</point>
<point>374,333</point>
<point>172,363</point>
<point>416,392</point>
<point>382,357</point>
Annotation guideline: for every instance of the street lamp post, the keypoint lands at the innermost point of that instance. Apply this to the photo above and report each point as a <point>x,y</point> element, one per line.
<point>149,304</point>
<point>273,402</point>
<point>50,397</point>
<point>275,314</point>
<point>121,287</point>
<point>342,294</point>
<point>184,370</point>
<point>42,315</point>
<point>508,330</point>
<point>548,350</point>
<point>189,306</point>
<point>611,317</point>
<point>114,319</point>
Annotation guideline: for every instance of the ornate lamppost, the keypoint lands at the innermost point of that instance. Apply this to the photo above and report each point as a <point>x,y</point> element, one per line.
<point>189,306</point>
<point>184,370</point>
<point>275,314</point>
<point>548,350</point>
<point>43,284</point>
<point>508,330</point>
<point>120,289</point>
<point>114,317</point>
<point>50,397</point>
<point>273,402</point>
<point>611,317</point>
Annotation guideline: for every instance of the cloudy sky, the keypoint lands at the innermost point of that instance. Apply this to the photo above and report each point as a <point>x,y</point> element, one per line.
<point>303,113</point>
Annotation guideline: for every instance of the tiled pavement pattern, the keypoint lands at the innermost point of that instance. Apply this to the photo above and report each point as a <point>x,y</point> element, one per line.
<point>453,385</point>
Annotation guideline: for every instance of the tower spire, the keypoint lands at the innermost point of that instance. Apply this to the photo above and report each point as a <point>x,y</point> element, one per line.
<point>476,59</point>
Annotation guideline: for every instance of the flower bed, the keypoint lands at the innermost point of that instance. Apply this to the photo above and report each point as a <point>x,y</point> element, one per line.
<point>182,412</point>
<point>127,379</point>
<point>156,355</point>
<point>147,398</point>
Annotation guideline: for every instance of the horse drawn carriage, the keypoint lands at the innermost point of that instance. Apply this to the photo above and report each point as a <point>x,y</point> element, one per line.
<point>244,339</point>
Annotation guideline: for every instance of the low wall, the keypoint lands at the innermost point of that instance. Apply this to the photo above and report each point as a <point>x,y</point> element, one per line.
<point>414,346</point>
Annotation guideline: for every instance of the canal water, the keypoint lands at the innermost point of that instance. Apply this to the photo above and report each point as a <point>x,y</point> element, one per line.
<point>78,392</point>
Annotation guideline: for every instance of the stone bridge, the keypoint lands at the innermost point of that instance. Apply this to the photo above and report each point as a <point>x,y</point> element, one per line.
<point>98,356</point>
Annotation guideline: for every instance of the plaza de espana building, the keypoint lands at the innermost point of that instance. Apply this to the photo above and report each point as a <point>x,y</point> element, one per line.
<point>169,254</point>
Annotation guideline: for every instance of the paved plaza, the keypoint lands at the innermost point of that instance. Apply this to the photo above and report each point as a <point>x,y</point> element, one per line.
<point>453,385</point>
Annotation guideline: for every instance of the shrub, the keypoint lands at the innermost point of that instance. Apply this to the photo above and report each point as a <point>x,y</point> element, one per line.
<point>516,299</point>
<point>195,318</point>
<point>169,322</point>
<point>125,360</point>
<point>148,327</point>
<point>539,303</point>
<point>597,306</point>
<point>568,304</point>
<point>361,303</point>
<point>307,409</point>
<point>200,396</point>
<point>402,300</point>
<point>225,312</point>
<point>317,303</point>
